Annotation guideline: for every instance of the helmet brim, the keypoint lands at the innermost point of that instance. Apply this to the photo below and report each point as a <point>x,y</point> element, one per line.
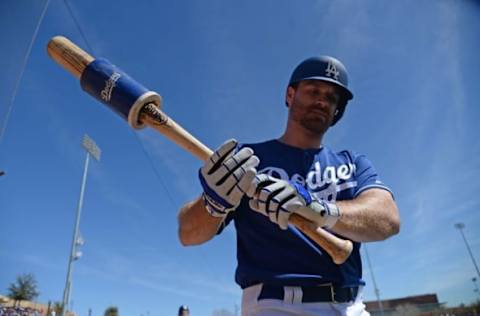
<point>348,93</point>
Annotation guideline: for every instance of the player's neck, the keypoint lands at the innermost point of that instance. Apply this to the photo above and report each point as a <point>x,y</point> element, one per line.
<point>297,136</point>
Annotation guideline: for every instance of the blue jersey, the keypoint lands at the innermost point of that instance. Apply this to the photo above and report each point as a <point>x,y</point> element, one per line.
<point>267,254</point>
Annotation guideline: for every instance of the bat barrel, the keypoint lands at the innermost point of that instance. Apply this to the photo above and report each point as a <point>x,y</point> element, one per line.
<point>104,81</point>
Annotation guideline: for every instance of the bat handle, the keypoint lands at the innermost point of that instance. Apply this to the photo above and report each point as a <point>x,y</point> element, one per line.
<point>153,117</point>
<point>338,249</point>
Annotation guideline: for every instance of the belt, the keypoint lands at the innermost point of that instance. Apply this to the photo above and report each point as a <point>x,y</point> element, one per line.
<point>320,293</point>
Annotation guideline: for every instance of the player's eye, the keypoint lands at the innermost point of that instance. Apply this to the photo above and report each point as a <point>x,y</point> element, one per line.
<point>332,98</point>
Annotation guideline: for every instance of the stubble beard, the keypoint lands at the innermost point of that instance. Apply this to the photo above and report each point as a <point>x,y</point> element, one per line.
<point>315,126</point>
<point>311,122</point>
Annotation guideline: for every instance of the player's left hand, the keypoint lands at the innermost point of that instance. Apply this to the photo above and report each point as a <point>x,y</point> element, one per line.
<point>226,176</point>
<point>278,199</point>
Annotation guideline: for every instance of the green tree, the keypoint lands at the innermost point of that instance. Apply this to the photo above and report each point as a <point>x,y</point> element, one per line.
<point>25,288</point>
<point>111,311</point>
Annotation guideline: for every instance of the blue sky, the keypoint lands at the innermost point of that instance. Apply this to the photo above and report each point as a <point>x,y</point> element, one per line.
<point>222,68</point>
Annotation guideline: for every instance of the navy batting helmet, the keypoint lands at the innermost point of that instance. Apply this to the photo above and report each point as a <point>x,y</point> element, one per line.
<point>183,308</point>
<point>329,69</point>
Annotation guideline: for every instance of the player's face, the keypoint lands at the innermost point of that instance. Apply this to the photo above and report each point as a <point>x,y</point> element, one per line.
<point>313,104</point>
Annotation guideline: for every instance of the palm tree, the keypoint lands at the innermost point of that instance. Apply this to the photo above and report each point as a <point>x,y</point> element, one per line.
<point>25,288</point>
<point>111,311</point>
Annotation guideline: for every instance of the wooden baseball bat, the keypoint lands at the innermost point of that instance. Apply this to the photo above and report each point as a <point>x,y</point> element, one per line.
<point>75,60</point>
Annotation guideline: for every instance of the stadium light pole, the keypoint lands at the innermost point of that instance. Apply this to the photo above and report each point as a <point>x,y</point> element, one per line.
<point>460,227</point>
<point>377,291</point>
<point>476,290</point>
<point>92,150</point>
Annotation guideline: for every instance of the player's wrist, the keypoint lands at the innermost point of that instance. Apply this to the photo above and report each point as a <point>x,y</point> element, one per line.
<point>329,211</point>
<point>214,208</point>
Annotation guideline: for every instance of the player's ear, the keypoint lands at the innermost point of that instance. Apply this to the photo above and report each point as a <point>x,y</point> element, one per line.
<point>289,95</point>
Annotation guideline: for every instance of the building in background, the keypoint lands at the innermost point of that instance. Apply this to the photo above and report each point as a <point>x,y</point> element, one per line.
<point>420,305</point>
<point>410,305</point>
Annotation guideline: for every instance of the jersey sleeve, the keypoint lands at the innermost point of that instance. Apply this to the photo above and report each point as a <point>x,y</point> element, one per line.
<point>366,176</point>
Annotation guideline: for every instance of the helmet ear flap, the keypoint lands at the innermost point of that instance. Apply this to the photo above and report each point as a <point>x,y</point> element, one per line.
<point>339,112</point>
<point>290,89</point>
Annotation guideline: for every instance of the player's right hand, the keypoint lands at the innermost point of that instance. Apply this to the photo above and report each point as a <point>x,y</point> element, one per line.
<point>226,176</point>
<point>279,199</point>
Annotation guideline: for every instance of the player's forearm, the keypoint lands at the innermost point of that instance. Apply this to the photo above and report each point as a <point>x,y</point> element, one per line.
<point>372,216</point>
<point>195,225</point>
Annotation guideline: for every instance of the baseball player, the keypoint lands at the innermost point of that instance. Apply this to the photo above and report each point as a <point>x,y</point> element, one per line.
<point>183,311</point>
<point>259,186</point>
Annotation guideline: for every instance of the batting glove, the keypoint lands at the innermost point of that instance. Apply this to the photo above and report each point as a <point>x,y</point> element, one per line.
<point>226,176</point>
<point>278,199</point>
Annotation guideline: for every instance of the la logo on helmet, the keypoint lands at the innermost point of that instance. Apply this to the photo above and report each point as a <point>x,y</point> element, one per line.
<point>331,70</point>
